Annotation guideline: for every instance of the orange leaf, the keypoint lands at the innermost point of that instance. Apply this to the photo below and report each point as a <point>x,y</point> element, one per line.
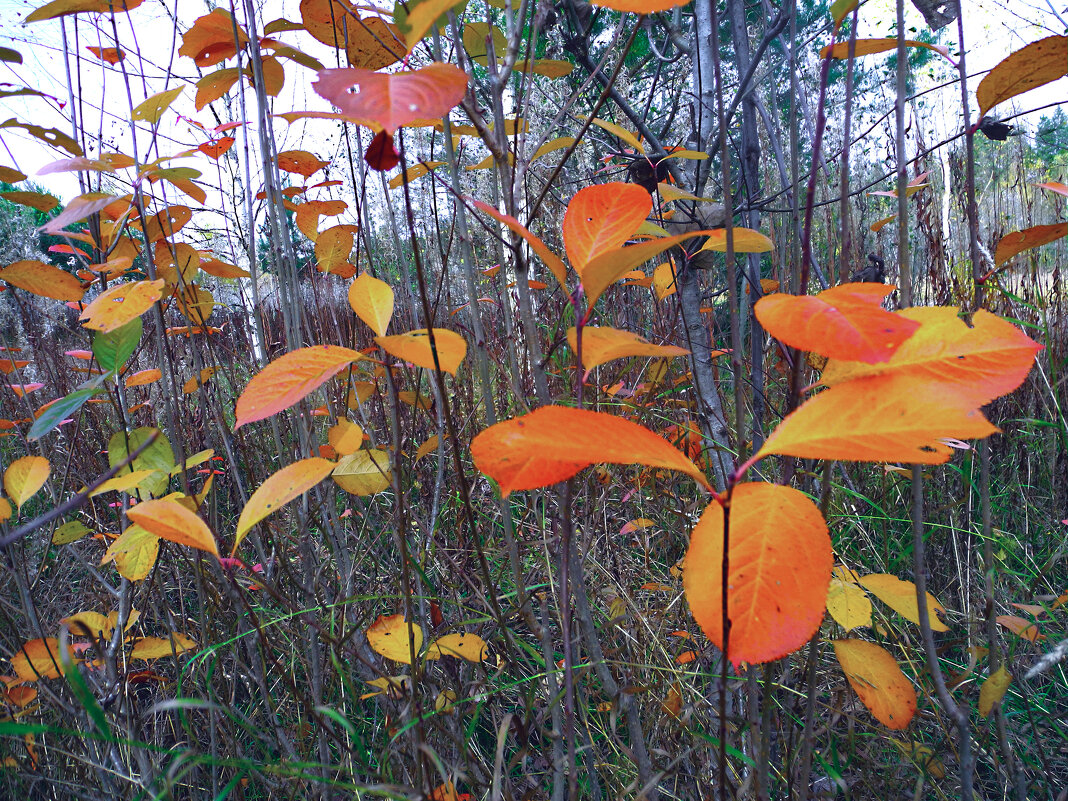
<point>602,218</point>
<point>112,55</point>
<point>300,162</point>
<point>875,677</point>
<point>1020,627</point>
<point>333,247</point>
<point>605,269</point>
<point>1019,241</point>
<point>986,361</point>
<point>289,378</point>
<point>143,377</point>
<point>844,322</point>
<point>39,659</point>
<point>43,279</point>
<point>780,569</point>
<point>115,307</point>
<point>216,148</point>
<point>415,347</point>
<point>553,443</point>
<point>169,520</point>
<point>211,39</point>
<point>1054,186</point>
<point>288,483</point>
<point>640,6</point>
<point>887,418</point>
<point>552,261</point>
<point>393,101</point>
<point>372,300</point>
<point>1034,65</point>
<point>600,345</point>
<point>867,47</point>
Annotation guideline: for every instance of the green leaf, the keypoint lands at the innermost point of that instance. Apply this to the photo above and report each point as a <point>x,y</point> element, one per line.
<point>158,456</point>
<point>71,531</point>
<point>113,348</point>
<point>63,408</point>
<point>11,56</point>
<point>840,8</point>
<point>151,110</point>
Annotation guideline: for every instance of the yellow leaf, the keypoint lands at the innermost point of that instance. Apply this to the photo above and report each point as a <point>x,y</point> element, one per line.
<point>993,690</point>
<point>614,129</point>
<point>43,280</point>
<point>197,381</point>
<point>115,307</point>
<point>664,281</point>
<point>151,110</point>
<point>848,604</point>
<point>123,483</point>
<point>415,347</point>
<point>363,472</point>
<point>465,646</point>
<point>394,639</point>
<point>170,520</point>
<point>278,490</point>
<point>746,240</point>
<point>88,624</point>
<point>134,553</point>
<point>372,300</point>
<point>345,437</point>
<point>24,477</point>
<point>157,648</point>
<point>901,597</point>
<point>393,686</point>
<point>1034,65</point>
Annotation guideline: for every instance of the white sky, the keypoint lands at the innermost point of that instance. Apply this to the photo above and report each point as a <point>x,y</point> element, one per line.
<point>993,28</point>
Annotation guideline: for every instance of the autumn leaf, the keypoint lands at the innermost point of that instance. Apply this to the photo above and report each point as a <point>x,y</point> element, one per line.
<point>157,648</point>
<point>875,676</point>
<point>844,322</point>
<point>601,218</point>
<point>363,472</point>
<point>993,690</point>
<point>134,553</point>
<point>415,18</point>
<point>1020,627</point>
<point>415,347</point>
<point>901,597</point>
<point>847,602</point>
<point>115,307</point>
<point>989,359</point>
<point>170,520</point>
<point>210,40</point>
<point>152,109</point>
<point>553,443</point>
<point>24,477</point>
<point>289,378</point>
<point>464,646</point>
<point>283,486</point>
<point>39,659</point>
<point>394,639</point>
<point>396,99</point>
<point>112,55</point>
<point>1019,241</point>
<point>868,47</point>
<point>551,260</point>
<point>601,345</point>
<point>780,568</point>
<point>345,437</point>
<point>640,6</point>
<point>744,240</point>
<point>372,301</point>
<point>62,8</point>
<point>1036,64</point>
<point>605,269</point>
<point>882,418</point>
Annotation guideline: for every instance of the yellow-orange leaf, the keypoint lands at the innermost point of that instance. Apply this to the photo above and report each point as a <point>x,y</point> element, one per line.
<point>600,345</point>
<point>43,279</point>
<point>1020,627</point>
<point>844,322</point>
<point>278,490</point>
<point>157,648</point>
<point>1034,65</point>
<point>604,270</point>
<point>372,300</point>
<point>901,597</point>
<point>986,361</point>
<point>415,347</point>
<point>426,448</point>
<point>888,418</point>
<point>780,568</point>
<point>993,690</point>
<point>134,553</point>
<point>39,659</point>
<point>465,646</point>
<point>875,677</point>
<point>601,218</point>
<point>24,477</point>
<point>115,307</point>
<point>172,521</point>
<point>1019,241</point>
<point>345,437</point>
<point>390,636</point>
<point>745,240</point>
<point>553,443</point>
<point>867,47</point>
<point>616,130</point>
<point>551,260</point>
<point>142,377</point>
<point>289,378</point>
<point>61,8</point>
<point>413,172</point>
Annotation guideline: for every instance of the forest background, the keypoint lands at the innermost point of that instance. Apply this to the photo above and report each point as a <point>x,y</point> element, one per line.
<point>326,476</point>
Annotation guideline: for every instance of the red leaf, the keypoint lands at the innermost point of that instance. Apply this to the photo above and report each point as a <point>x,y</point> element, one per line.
<point>381,155</point>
